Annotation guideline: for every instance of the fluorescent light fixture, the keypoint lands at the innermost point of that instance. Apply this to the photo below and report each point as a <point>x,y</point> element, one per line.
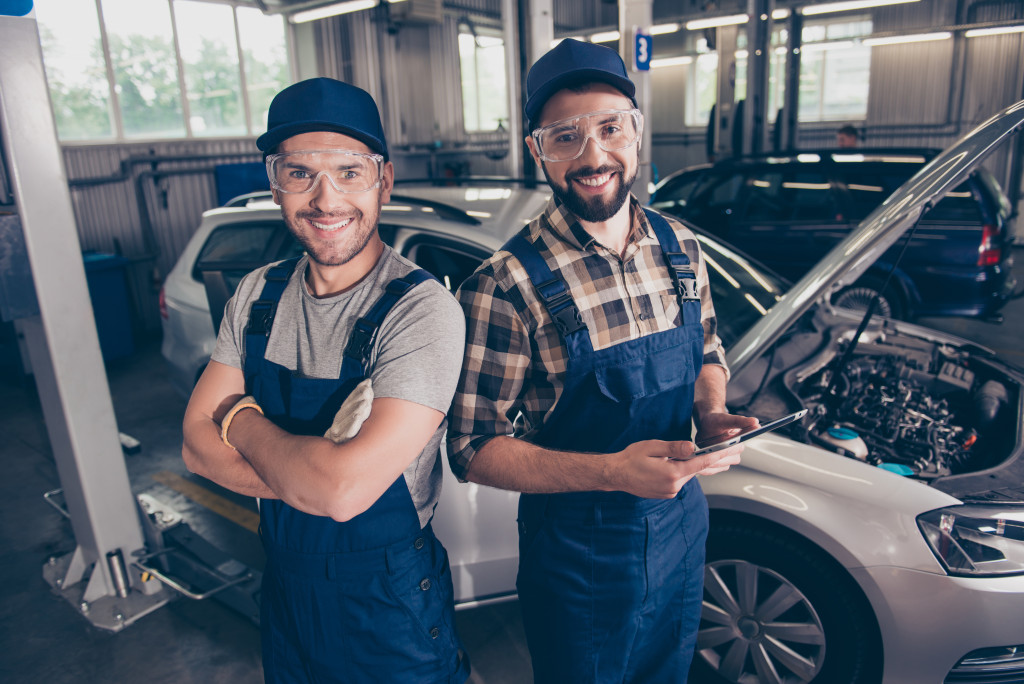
<point>994,31</point>
<point>912,38</point>
<point>808,158</point>
<point>730,20</point>
<point>661,29</point>
<point>833,45</point>
<point>604,37</point>
<point>332,10</point>
<point>780,14</point>
<point>829,7</point>
<point>671,61</point>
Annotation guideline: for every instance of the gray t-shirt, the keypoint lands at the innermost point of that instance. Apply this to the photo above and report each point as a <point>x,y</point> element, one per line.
<point>417,352</point>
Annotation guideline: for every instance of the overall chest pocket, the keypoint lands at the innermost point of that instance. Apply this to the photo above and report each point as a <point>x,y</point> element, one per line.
<point>648,374</point>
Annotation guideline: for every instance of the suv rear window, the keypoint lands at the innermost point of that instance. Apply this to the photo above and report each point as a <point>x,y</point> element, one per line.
<point>234,245</point>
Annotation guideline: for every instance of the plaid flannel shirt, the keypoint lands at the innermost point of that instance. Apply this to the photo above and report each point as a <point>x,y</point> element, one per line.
<point>515,360</point>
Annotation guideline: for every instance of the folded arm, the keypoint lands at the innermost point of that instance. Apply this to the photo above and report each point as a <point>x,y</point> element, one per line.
<point>319,477</point>
<point>218,389</point>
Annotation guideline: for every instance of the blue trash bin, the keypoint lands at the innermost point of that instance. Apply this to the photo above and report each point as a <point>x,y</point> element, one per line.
<point>106,275</point>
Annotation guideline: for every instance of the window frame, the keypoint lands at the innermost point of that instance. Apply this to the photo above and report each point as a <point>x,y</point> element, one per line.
<point>477,30</point>
<point>115,112</point>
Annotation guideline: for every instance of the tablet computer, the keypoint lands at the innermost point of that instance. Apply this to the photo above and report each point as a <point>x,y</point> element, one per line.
<point>706,448</point>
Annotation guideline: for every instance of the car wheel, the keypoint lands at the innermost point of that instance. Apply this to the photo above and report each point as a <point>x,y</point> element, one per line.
<point>858,296</point>
<point>779,611</point>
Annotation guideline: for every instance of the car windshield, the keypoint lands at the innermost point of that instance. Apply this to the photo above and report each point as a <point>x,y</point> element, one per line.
<point>742,290</point>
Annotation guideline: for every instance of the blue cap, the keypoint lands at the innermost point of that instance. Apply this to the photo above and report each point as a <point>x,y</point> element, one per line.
<point>324,104</point>
<point>570,62</point>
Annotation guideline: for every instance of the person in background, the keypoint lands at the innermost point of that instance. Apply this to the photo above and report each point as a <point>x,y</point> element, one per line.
<point>591,344</point>
<point>847,136</point>
<point>356,587</point>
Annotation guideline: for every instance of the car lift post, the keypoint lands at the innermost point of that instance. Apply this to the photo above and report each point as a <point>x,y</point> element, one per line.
<point>98,577</point>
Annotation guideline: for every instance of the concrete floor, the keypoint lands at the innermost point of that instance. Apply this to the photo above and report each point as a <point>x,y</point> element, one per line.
<point>43,638</point>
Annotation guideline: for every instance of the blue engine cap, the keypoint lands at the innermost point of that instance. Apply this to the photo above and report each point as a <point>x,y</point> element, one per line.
<point>842,433</point>
<point>897,468</point>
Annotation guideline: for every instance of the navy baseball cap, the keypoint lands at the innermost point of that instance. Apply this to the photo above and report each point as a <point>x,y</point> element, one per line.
<point>324,104</point>
<point>573,61</point>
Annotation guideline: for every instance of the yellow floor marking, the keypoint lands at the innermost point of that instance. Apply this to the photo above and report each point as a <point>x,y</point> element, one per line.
<point>239,515</point>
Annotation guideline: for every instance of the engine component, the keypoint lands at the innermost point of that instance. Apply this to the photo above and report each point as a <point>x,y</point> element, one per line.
<point>844,441</point>
<point>901,412</point>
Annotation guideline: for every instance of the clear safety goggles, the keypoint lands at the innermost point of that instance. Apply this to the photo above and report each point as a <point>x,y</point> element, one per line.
<point>298,172</point>
<point>612,129</point>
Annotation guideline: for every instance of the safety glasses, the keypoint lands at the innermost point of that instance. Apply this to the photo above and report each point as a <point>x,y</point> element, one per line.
<point>300,172</point>
<point>612,129</point>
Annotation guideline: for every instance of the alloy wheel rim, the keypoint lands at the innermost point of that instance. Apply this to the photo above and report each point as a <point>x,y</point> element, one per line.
<point>757,627</point>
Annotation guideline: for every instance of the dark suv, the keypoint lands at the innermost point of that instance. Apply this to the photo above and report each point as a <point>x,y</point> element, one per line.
<point>789,210</point>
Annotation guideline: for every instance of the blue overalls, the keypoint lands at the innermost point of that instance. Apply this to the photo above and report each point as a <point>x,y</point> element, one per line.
<point>367,600</point>
<point>610,584</point>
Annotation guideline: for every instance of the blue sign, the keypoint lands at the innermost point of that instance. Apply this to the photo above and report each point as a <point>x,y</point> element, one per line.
<point>15,8</point>
<point>644,48</point>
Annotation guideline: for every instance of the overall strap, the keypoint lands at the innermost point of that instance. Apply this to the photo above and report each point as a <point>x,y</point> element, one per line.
<point>360,342</point>
<point>678,263</point>
<point>553,291</point>
<point>262,312</point>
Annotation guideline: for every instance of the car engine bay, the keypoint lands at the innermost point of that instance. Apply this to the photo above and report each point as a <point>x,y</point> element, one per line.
<point>907,402</point>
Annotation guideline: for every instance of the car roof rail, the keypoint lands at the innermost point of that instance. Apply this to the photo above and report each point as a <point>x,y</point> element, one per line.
<point>244,200</point>
<point>458,181</point>
<point>826,153</point>
<point>440,208</point>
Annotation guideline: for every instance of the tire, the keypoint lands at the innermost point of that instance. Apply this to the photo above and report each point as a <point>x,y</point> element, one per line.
<point>858,296</point>
<point>779,611</point>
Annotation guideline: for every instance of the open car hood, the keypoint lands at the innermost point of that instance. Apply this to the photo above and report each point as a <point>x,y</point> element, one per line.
<point>876,233</point>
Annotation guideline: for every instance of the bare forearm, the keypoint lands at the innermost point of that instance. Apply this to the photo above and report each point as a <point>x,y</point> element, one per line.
<point>319,477</point>
<point>287,463</point>
<point>517,465</point>
<point>709,392</point>
<point>205,454</point>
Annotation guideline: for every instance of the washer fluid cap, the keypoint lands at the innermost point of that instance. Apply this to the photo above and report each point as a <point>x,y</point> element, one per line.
<point>842,433</point>
<point>897,468</point>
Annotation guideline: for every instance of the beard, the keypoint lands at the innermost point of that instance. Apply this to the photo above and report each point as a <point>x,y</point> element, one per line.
<point>592,209</point>
<point>333,252</point>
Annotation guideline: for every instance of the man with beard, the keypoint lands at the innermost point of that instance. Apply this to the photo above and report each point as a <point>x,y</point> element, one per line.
<point>590,343</point>
<point>356,586</point>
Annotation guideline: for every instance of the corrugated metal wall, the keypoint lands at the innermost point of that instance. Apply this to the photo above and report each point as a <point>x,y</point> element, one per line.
<point>144,201</point>
<point>921,95</point>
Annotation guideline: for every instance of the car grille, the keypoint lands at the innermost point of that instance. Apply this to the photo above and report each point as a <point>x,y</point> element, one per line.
<point>1002,665</point>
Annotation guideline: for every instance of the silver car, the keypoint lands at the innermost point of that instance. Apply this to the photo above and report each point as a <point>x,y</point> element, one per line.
<point>880,539</point>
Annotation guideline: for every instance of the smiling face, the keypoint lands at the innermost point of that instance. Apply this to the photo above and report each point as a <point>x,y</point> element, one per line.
<point>595,185</point>
<point>334,227</point>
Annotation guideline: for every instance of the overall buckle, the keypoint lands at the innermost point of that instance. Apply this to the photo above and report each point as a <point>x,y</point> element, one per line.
<point>261,317</point>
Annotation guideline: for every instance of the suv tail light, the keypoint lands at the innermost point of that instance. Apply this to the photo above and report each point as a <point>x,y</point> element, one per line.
<point>163,305</point>
<point>989,252</point>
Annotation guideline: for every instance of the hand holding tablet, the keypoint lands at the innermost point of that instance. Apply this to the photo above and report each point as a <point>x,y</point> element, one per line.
<point>726,442</point>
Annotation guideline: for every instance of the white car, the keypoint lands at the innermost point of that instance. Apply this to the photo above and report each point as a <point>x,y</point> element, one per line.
<point>880,539</point>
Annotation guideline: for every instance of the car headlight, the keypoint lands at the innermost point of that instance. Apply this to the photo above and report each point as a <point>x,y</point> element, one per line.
<point>976,540</point>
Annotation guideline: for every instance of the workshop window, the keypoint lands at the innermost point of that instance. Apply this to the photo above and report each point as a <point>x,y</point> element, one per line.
<point>703,88</point>
<point>835,69</point>
<point>157,69</point>
<point>484,93</point>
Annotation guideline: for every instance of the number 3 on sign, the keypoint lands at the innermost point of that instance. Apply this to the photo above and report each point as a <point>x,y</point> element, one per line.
<point>642,62</point>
